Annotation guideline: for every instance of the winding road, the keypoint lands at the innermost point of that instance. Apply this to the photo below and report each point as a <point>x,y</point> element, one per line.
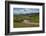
<point>28,22</point>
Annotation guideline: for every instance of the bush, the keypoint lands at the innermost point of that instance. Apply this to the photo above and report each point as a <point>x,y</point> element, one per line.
<point>18,19</point>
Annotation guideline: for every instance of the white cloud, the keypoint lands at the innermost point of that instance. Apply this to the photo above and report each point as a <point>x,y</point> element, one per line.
<point>26,10</point>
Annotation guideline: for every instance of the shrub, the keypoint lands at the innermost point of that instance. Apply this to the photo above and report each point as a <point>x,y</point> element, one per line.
<point>18,19</point>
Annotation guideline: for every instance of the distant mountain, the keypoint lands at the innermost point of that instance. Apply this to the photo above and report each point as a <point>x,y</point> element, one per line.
<point>28,14</point>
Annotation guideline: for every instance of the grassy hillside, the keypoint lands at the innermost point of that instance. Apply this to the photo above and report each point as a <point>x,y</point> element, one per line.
<point>19,19</point>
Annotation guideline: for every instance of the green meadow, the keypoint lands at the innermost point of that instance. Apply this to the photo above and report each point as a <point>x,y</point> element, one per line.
<point>26,20</point>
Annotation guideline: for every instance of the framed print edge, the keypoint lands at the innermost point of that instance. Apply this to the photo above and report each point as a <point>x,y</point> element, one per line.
<point>7,18</point>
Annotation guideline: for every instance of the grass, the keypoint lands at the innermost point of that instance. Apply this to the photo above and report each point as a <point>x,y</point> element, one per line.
<point>18,25</point>
<point>20,18</point>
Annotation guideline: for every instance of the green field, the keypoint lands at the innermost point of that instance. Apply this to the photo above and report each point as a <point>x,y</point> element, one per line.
<point>26,21</point>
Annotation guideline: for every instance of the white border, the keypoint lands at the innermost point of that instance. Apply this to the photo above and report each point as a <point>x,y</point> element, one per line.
<point>27,28</point>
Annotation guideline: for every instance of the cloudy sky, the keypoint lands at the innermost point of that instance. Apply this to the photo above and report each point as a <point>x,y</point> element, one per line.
<point>25,10</point>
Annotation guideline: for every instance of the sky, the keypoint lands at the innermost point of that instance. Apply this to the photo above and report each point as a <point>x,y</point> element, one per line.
<point>25,10</point>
